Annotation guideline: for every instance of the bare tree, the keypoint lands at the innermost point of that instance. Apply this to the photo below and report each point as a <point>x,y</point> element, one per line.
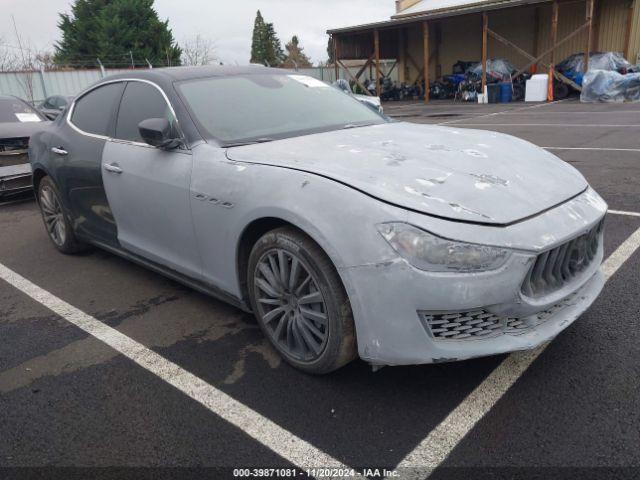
<point>24,60</point>
<point>44,61</point>
<point>198,51</point>
<point>8,57</point>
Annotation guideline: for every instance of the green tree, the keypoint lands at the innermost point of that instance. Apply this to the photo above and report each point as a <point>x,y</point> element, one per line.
<point>257,45</point>
<point>330,51</point>
<point>275,55</point>
<point>265,44</point>
<point>115,31</point>
<point>295,55</point>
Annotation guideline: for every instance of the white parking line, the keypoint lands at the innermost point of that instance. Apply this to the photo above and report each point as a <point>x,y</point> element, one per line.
<point>528,107</point>
<point>620,212</point>
<point>598,149</point>
<point>281,441</point>
<point>577,125</point>
<point>441,441</point>
<point>611,112</point>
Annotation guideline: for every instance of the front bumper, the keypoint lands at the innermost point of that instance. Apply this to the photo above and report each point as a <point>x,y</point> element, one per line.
<point>392,300</point>
<point>15,179</point>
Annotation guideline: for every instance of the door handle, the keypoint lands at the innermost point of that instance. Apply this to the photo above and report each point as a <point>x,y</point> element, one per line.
<point>112,168</point>
<point>59,151</point>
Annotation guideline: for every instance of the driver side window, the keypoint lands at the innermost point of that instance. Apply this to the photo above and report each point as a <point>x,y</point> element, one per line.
<point>139,102</point>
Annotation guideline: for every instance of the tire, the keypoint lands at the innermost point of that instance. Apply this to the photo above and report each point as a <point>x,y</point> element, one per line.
<point>308,321</point>
<point>57,224</point>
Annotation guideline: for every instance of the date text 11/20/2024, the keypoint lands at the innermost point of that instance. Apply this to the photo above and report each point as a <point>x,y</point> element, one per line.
<point>313,473</point>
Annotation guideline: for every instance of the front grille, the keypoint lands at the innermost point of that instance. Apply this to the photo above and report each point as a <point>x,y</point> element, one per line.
<point>555,268</point>
<point>473,324</point>
<point>13,151</point>
<point>479,324</point>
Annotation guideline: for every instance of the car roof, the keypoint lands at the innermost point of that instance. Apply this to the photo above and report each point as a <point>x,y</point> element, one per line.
<point>10,97</point>
<point>174,74</point>
<point>14,98</point>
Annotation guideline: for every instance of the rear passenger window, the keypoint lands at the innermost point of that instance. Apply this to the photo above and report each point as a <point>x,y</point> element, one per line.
<point>139,102</point>
<point>92,113</point>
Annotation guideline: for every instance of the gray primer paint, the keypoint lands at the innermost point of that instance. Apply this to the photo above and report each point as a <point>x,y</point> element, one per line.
<point>385,291</point>
<point>469,175</point>
<point>472,186</point>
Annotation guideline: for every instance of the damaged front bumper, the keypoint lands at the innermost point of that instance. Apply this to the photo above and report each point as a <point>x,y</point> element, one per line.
<point>409,316</point>
<point>15,179</point>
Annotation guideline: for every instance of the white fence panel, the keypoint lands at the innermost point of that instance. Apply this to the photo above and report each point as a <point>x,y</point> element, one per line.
<point>36,86</point>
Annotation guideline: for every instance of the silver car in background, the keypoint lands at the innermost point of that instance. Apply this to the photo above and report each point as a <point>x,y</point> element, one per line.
<point>344,233</point>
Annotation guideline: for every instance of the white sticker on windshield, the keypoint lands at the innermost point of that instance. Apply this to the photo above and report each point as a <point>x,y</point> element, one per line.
<point>309,81</point>
<point>28,117</point>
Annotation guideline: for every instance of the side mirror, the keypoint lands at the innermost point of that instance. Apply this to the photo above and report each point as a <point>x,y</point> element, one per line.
<point>158,132</point>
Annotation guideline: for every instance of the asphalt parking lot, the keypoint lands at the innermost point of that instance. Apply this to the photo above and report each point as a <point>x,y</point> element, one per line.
<point>103,363</point>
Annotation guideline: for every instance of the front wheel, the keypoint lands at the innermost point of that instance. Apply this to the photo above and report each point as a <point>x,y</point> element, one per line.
<point>300,302</point>
<point>55,220</point>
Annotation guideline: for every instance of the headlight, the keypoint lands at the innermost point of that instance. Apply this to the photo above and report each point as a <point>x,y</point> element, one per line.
<point>428,252</point>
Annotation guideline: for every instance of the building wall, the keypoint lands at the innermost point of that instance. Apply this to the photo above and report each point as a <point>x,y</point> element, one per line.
<point>612,25</point>
<point>634,43</point>
<point>404,4</point>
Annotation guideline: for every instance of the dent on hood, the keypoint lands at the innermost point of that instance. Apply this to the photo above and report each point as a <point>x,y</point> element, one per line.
<point>454,206</point>
<point>467,175</point>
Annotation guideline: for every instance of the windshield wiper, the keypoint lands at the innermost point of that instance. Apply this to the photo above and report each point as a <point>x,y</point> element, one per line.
<point>250,142</point>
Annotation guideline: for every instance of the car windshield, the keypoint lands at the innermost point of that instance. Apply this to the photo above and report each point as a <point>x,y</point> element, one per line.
<point>14,110</point>
<point>262,107</point>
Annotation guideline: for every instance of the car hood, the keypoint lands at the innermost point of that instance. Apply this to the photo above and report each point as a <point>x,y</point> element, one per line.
<point>468,175</point>
<point>21,129</point>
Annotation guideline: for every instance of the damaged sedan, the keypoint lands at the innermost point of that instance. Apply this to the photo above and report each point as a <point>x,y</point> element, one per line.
<point>18,121</point>
<point>344,233</point>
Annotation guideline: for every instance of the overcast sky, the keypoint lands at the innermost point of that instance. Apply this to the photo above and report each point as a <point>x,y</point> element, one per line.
<point>227,22</point>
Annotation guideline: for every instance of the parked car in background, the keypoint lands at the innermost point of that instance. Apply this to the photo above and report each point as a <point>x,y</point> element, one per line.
<point>18,121</point>
<point>370,101</point>
<point>54,105</point>
<point>344,233</point>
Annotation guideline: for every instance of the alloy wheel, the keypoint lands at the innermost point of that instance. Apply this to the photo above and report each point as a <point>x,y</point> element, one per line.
<point>53,216</point>
<point>290,304</point>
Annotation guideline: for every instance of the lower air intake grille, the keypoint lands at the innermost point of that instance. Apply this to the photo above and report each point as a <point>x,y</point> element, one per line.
<point>555,268</point>
<point>477,323</point>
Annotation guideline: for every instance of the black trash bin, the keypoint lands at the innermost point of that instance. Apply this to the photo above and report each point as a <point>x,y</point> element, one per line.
<point>493,93</point>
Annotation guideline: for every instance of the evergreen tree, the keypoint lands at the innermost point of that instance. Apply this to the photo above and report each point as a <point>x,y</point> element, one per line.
<point>114,31</point>
<point>257,44</point>
<point>265,45</point>
<point>274,53</point>
<point>295,55</point>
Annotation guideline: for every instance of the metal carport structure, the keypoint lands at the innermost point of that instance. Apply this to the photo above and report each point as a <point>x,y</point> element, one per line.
<point>423,37</point>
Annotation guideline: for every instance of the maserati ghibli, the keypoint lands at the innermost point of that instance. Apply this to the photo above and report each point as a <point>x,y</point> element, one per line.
<point>346,234</point>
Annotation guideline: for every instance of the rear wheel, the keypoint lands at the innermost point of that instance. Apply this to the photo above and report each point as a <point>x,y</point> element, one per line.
<point>300,302</point>
<point>55,220</point>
